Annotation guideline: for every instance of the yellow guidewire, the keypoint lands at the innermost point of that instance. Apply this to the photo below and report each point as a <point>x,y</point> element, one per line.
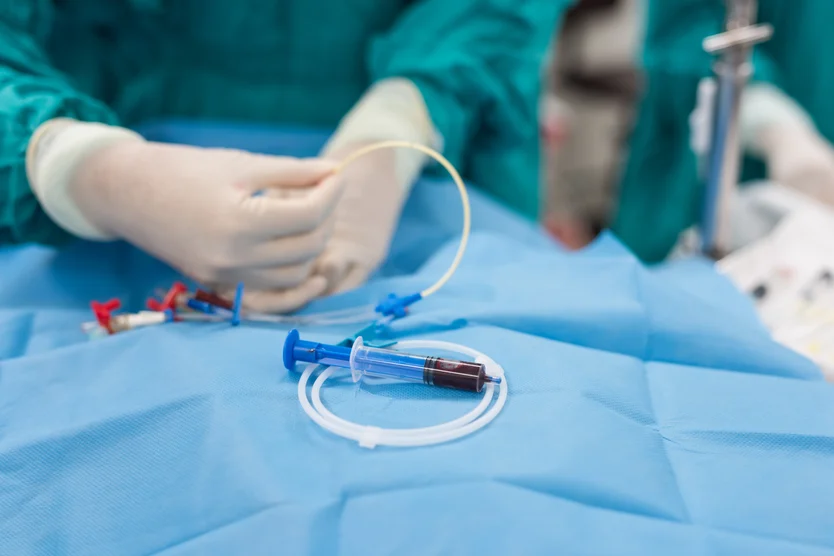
<point>464,197</point>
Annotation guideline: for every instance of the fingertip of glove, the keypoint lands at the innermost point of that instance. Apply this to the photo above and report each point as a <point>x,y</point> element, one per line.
<point>318,285</point>
<point>286,301</point>
<point>355,278</point>
<point>327,269</point>
<point>322,165</point>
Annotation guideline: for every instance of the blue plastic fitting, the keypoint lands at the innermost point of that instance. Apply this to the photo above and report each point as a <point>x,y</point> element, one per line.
<point>397,307</point>
<point>238,303</point>
<point>289,349</point>
<point>201,306</point>
<point>296,349</point>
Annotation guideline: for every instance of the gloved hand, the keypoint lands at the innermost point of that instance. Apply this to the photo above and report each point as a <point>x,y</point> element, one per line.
<point>365,219</point>
<point>376,184</point>
<point>194,208</point>
<point>802,160</point>
<point>776,128</point>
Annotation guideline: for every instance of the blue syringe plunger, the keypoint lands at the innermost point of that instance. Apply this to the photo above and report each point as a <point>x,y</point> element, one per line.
<point>296,349</point>
<point>385,363</point>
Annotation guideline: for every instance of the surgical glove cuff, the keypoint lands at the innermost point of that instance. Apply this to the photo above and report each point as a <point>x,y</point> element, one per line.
<point>767,116</point>
<point>393,109</point>
<point>55,152</point>
<point>700,120</point>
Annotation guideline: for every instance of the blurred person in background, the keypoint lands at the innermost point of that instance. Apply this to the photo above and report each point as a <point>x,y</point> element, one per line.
<point>786,120</point>
<point>587,114</point>
<point>460,75</point>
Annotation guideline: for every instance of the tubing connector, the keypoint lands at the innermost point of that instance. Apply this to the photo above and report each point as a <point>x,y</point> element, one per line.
<point>396,306</point>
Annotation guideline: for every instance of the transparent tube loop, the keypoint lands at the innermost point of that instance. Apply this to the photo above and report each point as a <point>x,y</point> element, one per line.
<point>370,436</point>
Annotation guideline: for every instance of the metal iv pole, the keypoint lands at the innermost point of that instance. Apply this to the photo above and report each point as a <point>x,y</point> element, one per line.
<point>732,69</point>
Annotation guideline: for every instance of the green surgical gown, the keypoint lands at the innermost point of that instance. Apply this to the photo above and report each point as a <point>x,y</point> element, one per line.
<point>476,62</point>
<point>660,193</point>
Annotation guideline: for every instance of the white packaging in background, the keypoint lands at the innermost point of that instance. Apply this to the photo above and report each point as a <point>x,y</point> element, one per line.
<point>790,272</point>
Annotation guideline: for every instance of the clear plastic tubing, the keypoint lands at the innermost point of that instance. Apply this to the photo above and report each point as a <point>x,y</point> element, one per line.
<point>372,436</point>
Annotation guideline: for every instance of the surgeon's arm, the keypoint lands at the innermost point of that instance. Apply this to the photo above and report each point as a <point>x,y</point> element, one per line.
<point>67,170</point>
<point>476,63</point>
<point>31,92</point>
<point>446,72</point>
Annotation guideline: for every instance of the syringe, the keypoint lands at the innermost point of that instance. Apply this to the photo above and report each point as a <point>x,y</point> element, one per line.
<point>386,363</point>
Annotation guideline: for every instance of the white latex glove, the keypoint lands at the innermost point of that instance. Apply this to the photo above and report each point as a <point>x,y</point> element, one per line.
<point>193,208</point>
<point>776,128</point>
<point>365,221</point>
<point>377,184</point>
<point>700,120</point>
<point>802,160</point>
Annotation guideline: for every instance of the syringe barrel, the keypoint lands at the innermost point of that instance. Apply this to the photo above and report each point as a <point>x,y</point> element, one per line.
<point>452,373</point>
<point>388,364</point>
<point>448,373</point>
<point>385,363</point>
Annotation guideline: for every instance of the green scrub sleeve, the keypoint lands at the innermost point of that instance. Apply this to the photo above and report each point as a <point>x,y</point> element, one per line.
<point>477,64</point>
<point>31,92</point>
